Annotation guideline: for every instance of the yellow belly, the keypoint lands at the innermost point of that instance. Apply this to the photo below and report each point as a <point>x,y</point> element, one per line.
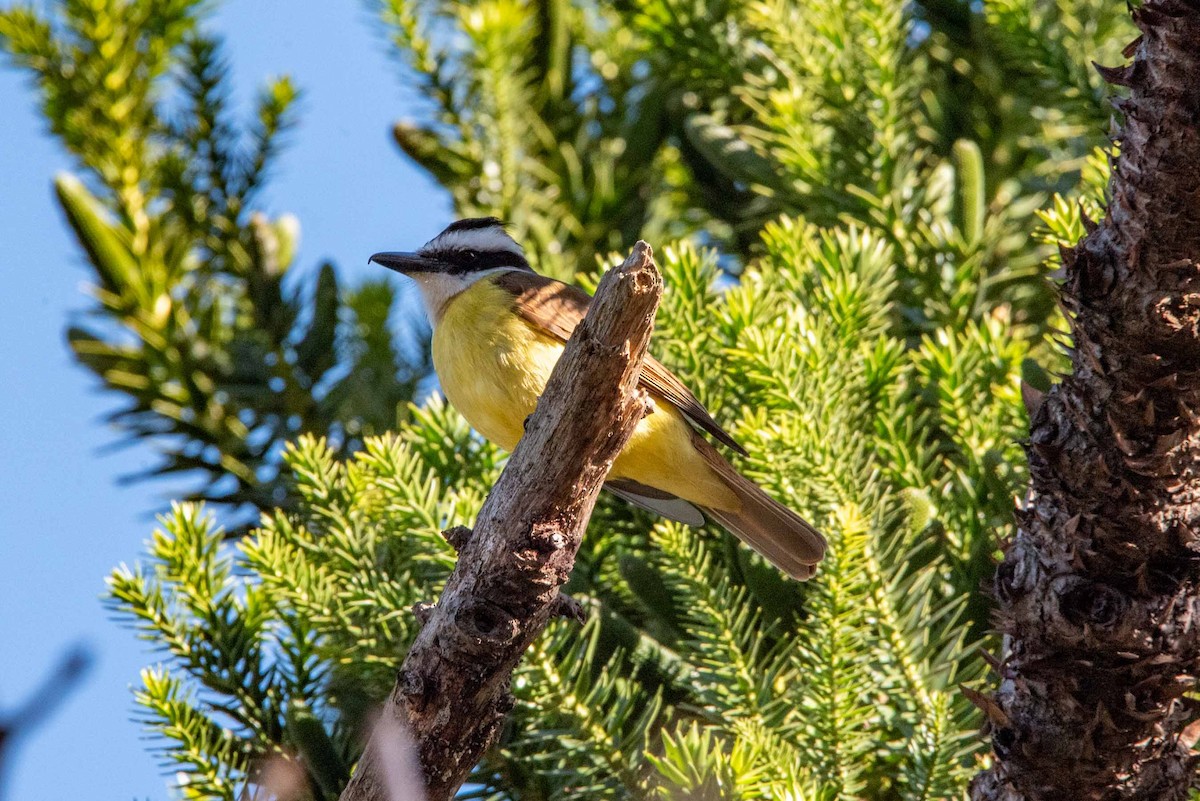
<point>493,366</point>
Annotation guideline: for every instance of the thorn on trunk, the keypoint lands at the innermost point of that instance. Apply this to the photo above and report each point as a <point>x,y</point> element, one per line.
<point>986,704</point>
<point>1068,255</point>
<point>992,661</point>
<point>1190,734</point>
<point>1118,76</point>
<point>458,537</point>
<point>568,607</point>
<point>1032,397</point>
<point>1089,224</point>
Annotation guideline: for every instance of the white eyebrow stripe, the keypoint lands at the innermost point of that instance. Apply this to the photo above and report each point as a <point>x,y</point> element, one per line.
<point>485,240</point>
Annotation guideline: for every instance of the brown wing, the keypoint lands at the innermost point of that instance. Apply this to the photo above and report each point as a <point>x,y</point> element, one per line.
<point>557,308</point>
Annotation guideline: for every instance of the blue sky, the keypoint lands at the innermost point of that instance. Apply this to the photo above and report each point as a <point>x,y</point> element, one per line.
<point>64,519</point>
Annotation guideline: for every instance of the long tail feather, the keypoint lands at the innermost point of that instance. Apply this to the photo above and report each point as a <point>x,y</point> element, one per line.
<point>784,538</point>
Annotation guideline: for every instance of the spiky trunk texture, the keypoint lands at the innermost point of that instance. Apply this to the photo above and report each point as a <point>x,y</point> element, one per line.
<point>1099,593</point>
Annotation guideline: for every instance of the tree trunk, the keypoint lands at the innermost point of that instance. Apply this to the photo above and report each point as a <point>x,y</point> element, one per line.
<point>451,694</point>
<point>1099,593</point>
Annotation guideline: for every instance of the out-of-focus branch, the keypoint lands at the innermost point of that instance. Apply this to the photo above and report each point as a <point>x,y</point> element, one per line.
<point>42,702</point>
<point>452,691</point>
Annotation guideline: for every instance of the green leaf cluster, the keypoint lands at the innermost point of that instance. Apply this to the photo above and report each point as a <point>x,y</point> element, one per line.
<point>861,200</point>
<point>703,673</point>
<point>218,358</point>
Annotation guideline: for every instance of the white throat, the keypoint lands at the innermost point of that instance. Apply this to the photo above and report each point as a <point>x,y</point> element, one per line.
<point>438,289</point>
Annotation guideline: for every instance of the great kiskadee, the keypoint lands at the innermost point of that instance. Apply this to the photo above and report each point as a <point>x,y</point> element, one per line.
<point>499,329</point>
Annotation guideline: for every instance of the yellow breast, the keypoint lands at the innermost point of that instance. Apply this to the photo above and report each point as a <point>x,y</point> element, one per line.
<point>493,367</point>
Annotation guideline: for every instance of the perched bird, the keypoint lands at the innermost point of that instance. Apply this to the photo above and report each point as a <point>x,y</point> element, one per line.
<point>499,329</point>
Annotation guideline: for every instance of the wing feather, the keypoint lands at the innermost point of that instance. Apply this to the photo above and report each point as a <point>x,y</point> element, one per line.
<point>557,308</point>
<point>652,500</point>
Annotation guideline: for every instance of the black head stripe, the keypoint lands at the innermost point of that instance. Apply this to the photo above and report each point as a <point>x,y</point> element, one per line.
<point>459,257</point>
<point>491,259</point>
<point>461,262</point>
<point>474,223</point>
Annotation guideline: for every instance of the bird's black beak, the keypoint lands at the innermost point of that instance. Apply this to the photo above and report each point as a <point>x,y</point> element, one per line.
<point>406,263</point>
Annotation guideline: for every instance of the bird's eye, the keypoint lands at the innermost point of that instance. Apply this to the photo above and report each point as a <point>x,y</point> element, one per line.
<point>472,255</point>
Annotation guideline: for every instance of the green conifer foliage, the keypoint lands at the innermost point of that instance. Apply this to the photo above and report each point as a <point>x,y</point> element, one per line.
<point>702,670</point>
<point>845,200</point>
<point>217,363</point>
